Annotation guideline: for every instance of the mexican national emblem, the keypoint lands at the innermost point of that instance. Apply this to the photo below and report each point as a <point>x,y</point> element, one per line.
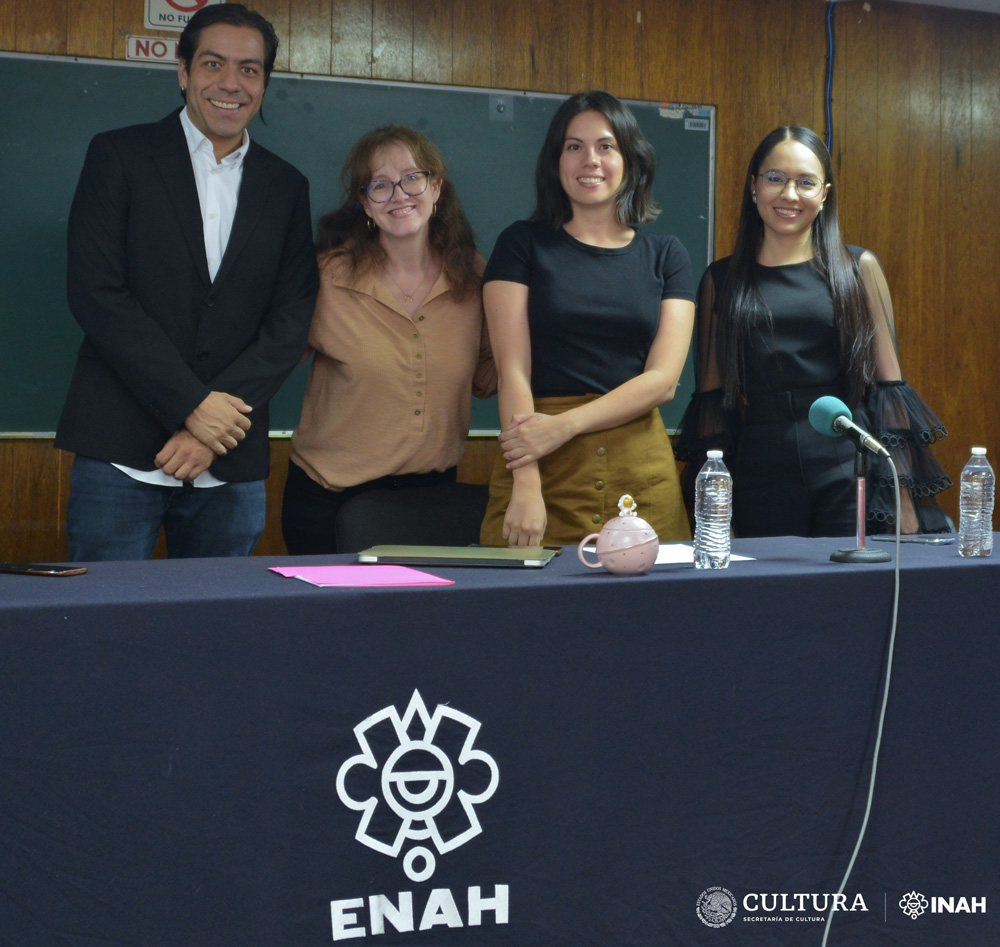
<point>417,777</point>
<point>716,906</point>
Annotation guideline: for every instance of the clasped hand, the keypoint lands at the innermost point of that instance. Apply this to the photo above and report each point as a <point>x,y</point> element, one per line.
<point>220,422</point>
<point>532,437</point>
<point>183,457</point>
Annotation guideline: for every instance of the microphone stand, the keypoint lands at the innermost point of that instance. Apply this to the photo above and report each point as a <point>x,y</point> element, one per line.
<point>860,554</point>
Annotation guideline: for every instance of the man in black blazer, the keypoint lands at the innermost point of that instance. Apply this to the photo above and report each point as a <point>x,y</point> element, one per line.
<point>192,273</point>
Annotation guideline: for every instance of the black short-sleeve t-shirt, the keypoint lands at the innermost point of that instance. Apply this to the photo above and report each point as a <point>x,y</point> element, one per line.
<point>593,312</point>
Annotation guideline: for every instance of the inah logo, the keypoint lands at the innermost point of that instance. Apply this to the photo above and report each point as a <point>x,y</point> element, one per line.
<point>716,906</point>
<point>419,778</point>
<point>913,904</point>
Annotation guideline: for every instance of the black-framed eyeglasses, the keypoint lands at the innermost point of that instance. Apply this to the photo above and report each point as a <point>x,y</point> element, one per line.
<point>776,181</point>
<point>381,189</point>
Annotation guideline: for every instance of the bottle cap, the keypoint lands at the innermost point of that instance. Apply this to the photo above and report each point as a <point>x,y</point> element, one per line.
<point>717,454</point>
<point>976,451</point>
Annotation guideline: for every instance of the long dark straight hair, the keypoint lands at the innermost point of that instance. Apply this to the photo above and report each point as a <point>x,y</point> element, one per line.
<point>634,203</point>
<point>740,305</point>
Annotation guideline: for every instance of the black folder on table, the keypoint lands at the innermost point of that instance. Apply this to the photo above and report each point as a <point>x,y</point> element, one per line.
<point>516,557</point>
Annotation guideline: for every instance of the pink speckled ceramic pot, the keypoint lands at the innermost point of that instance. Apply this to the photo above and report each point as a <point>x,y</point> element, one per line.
<point>627,545</point>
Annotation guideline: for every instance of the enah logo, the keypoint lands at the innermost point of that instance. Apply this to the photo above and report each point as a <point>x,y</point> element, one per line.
<point>440,909</point>
<point>417,777</point>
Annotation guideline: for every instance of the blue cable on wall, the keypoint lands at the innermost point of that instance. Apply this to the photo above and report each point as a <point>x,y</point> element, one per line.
<point>829,75</point>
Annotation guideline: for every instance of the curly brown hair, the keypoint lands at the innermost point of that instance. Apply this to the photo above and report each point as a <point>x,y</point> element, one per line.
<point>345,230</point>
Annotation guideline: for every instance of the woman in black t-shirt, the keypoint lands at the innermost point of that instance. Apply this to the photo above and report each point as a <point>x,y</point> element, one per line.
<point>791,316</point>
<point>590,321</point>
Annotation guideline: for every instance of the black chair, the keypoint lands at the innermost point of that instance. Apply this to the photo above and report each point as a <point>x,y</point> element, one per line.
<point>446,514</point>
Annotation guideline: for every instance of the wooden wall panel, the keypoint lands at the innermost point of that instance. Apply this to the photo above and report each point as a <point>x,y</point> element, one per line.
<point>855,112</point>
<point>916,146</point>
<point>618,47</point>
<point>578,30</point>
<point>40,26</point>
<point>432,40</point>
<point>392,40</point>
<point>8,25</point>
<point>279,14</point>
<point>661,36</point>
<point>510,43</point>
<point>31,520</point>
<point>310,44</point>
<point>87,29</point>
<point>555,33</point>
<point>696,38</point>
<point>892,151</point>
<point>471,43</point>
<point>917,337</point>
<point>352,39</point>
<point>962,198</point>
<point>130,20</point>
<point>737,93</point>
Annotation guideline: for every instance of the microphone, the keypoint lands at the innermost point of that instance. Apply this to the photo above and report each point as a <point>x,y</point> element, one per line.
<point>830,416</point>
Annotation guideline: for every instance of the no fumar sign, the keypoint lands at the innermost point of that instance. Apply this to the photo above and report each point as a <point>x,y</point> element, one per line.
<point>173,14</point>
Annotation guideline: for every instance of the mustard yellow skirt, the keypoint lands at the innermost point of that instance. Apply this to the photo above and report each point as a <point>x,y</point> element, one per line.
<point>583,481</point>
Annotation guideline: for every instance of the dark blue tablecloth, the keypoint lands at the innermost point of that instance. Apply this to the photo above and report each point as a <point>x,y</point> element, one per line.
<point>552,757</point>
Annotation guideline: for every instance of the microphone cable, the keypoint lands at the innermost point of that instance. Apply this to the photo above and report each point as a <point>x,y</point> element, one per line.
<point>881,716</point>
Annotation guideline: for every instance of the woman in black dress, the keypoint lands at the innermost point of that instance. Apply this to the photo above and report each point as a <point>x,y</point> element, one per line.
<point>793,315</point>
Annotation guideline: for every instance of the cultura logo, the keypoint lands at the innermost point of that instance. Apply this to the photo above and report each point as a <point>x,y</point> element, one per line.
<point>420,779</point>
<point>913,904</point>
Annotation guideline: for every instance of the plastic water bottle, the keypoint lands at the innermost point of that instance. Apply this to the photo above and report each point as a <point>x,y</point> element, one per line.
<point>975,506</point>
<point>713,509</point>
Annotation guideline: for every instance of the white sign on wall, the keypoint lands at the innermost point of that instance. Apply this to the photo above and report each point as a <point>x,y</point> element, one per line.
<point>151,49</point>
<point>173,14</point>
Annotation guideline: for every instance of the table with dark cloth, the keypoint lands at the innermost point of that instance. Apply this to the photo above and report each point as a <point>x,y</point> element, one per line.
<point>202,754</point>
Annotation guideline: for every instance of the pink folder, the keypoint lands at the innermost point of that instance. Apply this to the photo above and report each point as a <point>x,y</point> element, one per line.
<point>356,576</point>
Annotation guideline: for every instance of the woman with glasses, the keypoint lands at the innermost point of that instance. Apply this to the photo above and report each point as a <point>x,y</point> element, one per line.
<point>591,320</point>
<point>398,337</point>
<point>791,316</point>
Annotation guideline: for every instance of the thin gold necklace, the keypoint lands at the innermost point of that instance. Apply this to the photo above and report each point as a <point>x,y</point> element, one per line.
<point>408,297</point>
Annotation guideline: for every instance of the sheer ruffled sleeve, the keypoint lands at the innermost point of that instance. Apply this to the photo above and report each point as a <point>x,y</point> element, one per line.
<point>900,419</point>
<point>706,424</point>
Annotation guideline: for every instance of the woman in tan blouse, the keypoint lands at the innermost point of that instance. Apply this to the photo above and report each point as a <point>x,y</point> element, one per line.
<point>398,336</point>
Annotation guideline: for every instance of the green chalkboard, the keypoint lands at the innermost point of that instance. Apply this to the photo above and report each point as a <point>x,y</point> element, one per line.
<point>51,107</point>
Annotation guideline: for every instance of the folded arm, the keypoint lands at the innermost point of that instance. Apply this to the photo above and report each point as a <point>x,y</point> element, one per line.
<point>536,435</point>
